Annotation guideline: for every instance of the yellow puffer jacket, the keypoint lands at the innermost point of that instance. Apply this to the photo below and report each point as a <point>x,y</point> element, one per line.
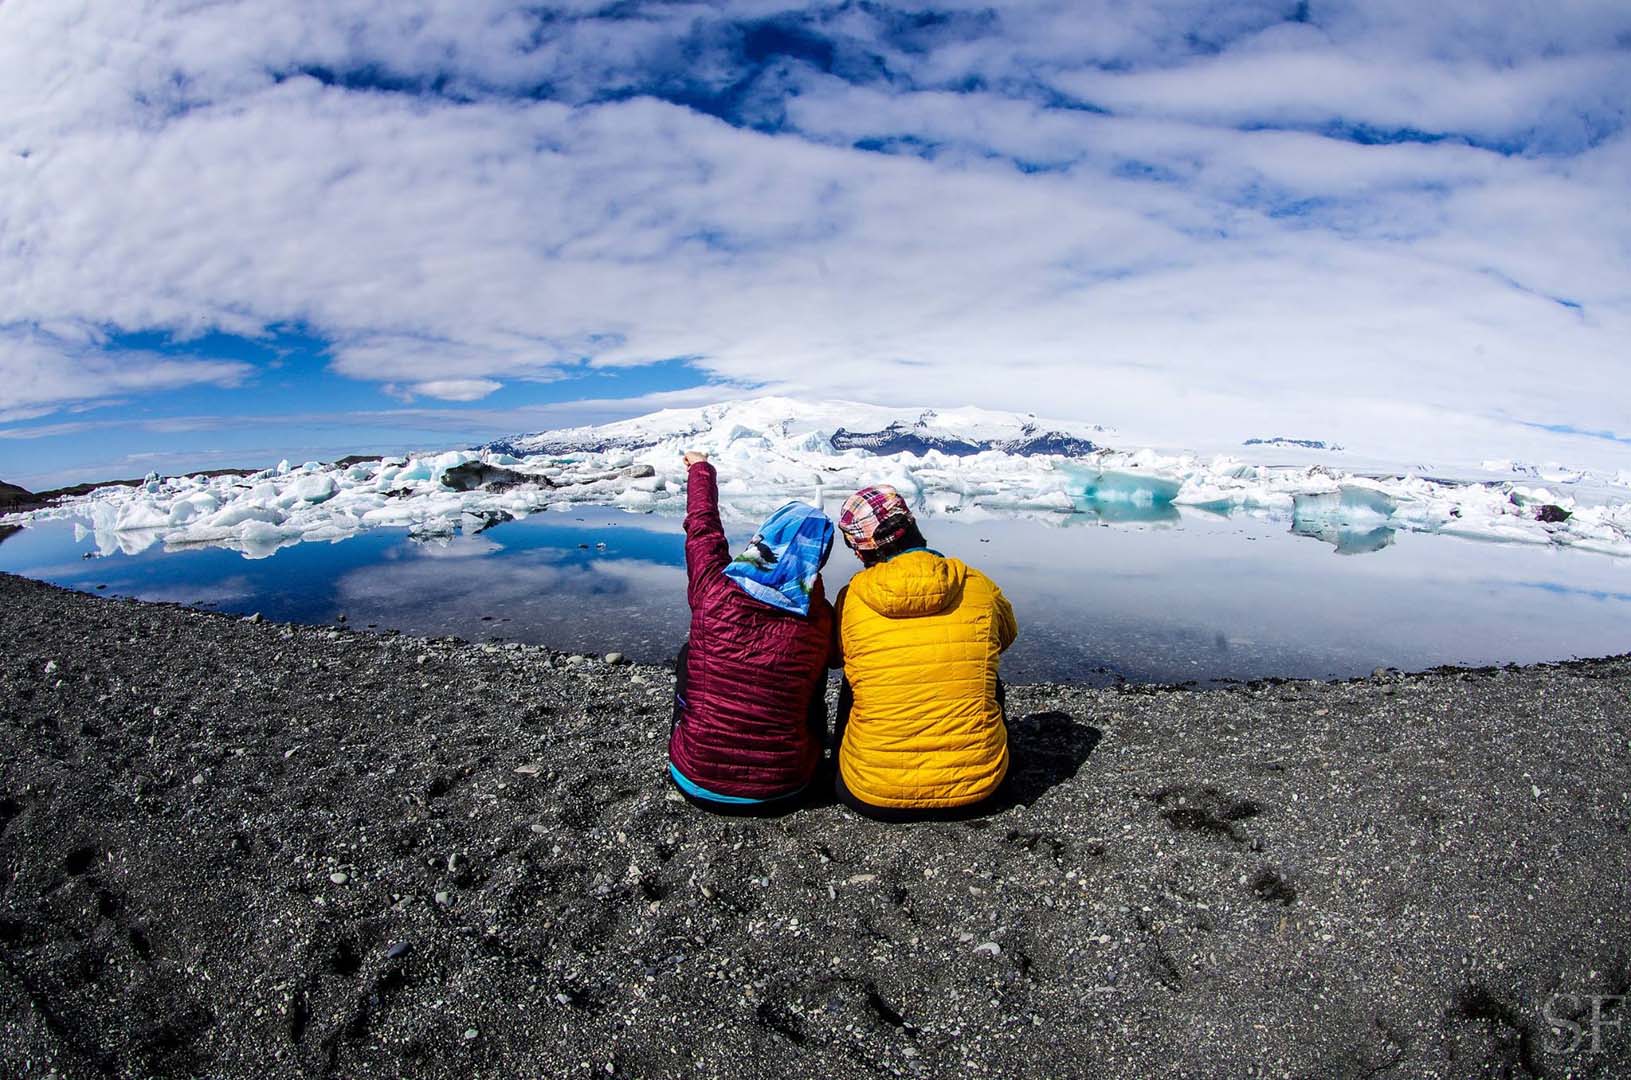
<point>920,636</point>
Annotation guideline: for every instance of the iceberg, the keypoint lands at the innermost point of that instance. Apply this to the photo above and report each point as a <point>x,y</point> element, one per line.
<point>1348,505</point>
<point>315,489</point>
<point>1114,486</point>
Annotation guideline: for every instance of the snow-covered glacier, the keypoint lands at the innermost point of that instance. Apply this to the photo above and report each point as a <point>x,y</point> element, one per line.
<point>971,462</point>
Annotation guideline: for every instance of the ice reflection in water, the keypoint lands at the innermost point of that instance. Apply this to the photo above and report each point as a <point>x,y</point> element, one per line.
<point>1119,593</point>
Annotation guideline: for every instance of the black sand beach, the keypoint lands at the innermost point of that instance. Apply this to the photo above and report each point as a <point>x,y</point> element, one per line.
<point>236,849</point>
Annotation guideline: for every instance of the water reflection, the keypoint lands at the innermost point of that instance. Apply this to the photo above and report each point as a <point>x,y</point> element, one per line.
<point>1347,539</point>
<point>1127,513</point>
<point>1116,594</point>
<point>591,600</point>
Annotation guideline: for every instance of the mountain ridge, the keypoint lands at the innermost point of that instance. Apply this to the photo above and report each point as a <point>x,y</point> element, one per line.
<point>831,425</point>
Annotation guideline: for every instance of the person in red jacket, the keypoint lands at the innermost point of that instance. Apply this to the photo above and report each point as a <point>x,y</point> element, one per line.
<point>750,712</point>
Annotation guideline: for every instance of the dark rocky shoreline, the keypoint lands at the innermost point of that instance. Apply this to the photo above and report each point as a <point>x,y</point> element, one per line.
<point>250,850</point>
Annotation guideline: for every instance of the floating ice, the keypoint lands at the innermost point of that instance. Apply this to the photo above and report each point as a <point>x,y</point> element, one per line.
<point>1354,519</point>
<point>315,489</point>
<point>1348,505</point>
<point>1129,486</point>
<point>969,462</point>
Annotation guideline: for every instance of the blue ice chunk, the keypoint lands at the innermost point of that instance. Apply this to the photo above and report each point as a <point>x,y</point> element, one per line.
<point>1114,486</point>
<point>1346,505</point>
<point>418,470</point>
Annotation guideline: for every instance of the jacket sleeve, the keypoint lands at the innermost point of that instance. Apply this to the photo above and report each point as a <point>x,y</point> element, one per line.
<point>706,550</point>
<point>1007,626</point>
<point>835,648</point>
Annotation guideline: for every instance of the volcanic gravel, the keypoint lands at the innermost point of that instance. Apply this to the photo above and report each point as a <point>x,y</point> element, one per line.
<point>230,848</point>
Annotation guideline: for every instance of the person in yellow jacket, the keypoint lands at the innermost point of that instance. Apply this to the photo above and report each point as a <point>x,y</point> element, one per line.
<point>921,731</point>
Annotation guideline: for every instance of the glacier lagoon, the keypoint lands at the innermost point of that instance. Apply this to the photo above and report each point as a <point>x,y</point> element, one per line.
<point>1144,596</point>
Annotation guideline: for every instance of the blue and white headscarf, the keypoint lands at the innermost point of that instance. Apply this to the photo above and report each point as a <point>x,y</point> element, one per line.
<point>780,564</point>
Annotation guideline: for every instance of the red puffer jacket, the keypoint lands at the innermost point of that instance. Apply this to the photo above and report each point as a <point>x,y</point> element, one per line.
<point>749,671</point>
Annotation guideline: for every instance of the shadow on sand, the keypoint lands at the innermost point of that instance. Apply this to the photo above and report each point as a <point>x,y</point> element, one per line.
<point>1048,748</point>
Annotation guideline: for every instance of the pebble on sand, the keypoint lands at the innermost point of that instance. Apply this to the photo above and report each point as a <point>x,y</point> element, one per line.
<point>339,877</point>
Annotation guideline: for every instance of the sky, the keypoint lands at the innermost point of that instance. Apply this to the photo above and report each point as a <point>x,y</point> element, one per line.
<point>233,231</point>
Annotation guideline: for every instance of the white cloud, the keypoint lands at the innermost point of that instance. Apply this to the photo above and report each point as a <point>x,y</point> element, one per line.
<point>456,389</point>
<point>1476,98</point>
<point>1200,263</point>
<point>41,373</point>
<point>12,416</point>
<point>456,424</point>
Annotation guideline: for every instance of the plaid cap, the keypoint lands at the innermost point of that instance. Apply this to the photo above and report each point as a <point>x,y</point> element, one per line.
<point>874,517</point>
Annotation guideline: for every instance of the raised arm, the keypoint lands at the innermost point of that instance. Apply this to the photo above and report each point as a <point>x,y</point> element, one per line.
<point>707,552</point>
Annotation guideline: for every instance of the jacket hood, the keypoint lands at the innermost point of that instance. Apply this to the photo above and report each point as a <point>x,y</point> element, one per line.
<point>911,584</point>
<point>781,565</point>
